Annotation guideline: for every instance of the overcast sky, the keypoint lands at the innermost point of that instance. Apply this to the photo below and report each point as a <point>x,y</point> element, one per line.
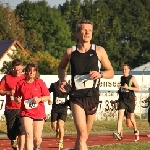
<point>13,3</point>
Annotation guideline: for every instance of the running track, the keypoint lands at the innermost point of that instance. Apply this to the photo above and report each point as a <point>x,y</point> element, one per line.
<point>50,143</point>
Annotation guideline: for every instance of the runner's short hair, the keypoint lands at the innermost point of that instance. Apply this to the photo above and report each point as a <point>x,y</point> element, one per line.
<point>82,21</point>
<point>16,62</point>
<point>127,66</point>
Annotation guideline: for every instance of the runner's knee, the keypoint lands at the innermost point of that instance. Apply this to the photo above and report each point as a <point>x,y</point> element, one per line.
<point>37,141</point>
<point>29,136</point>
<point>61,124</point>
<point>83,136</point>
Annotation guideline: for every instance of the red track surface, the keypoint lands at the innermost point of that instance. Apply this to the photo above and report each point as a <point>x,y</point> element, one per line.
<point>50,143</point>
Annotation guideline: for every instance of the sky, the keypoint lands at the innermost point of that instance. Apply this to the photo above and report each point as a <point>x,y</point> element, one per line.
<point>13,3</point>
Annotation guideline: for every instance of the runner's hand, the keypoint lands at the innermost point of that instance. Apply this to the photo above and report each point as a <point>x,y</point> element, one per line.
<point>50,102</point>
<point>125,86</point>
<point>95,75</point>
<point>36,100</point>
<point>11,92</point>
<point>61,86</point>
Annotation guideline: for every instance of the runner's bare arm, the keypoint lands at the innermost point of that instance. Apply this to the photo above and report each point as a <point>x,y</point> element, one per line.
<point>103,57</point>
<point>3,92</point>
<point>136,86</point>
<point>2,88</point>
<point>63,64</point>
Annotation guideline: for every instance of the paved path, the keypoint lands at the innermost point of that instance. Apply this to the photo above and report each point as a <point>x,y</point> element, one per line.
<point>50,143</point>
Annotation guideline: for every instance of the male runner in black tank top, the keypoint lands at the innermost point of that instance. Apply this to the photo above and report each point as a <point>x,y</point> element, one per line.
<point>85,78</point>
<point>127,101</point>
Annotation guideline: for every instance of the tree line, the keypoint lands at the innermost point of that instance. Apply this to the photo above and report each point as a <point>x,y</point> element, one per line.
<point>122,27</point>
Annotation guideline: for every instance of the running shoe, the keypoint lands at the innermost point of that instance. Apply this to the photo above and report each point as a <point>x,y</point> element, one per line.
<point>14,144</point>
<point>136,135</point>
<point>117,136</point>
<point>60,144</point>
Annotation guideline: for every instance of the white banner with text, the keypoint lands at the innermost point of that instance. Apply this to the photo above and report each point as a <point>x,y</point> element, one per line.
<point>108,92</point>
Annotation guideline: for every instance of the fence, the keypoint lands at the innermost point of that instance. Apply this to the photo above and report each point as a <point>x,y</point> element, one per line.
<point>108,92</point>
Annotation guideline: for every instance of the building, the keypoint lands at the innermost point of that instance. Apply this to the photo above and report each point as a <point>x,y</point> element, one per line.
<point>8,47</point>
<point>145,67</point>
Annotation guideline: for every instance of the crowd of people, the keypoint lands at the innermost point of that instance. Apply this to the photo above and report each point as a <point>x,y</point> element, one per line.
<point>26,93</point>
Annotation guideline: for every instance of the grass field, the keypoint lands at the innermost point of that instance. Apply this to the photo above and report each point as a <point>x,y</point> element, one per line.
<point>100,127</point>
<point>123,146</point>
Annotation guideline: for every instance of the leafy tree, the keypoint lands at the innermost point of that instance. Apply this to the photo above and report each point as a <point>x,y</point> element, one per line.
<point>124,30</point>
<point>10,28</point>
<point>45,29</point>
<point>71,11</point>
<point>47,64</point>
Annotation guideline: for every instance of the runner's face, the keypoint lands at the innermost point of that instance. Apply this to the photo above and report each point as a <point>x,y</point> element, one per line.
<point>85,34</point>
<point>17,70</point>
<point>32,73</point>
<point>125,70</point>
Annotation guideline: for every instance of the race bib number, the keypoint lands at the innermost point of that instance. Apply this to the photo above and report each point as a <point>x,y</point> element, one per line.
<point>29,104</point>
<point>83,82</point>
<point>123,89</point>
<point>60,100</point>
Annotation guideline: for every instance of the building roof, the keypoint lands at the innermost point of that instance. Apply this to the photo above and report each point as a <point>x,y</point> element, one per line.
<point>145,67</point>
<point>6,44</point>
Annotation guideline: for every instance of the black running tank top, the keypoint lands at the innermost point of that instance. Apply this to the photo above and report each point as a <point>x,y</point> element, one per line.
<point>81,64</point>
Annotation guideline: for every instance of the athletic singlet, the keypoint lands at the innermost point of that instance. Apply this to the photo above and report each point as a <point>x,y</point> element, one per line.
<point>81,64</point>
<point>58,96</point>
<point>123,93</point>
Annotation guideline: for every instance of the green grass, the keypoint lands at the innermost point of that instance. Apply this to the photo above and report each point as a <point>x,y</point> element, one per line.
<point>123,146</point>
<point>98,126</point>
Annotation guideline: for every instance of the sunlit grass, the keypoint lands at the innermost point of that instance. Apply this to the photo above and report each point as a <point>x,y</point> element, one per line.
<point>98,127</point>
<point>123,146</point>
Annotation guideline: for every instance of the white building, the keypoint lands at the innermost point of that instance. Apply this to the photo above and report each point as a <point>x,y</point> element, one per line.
<point>145,67</point>
<point>8,47</point>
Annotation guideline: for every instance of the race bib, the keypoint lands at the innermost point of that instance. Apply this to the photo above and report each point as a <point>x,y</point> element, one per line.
<point>60,100</point>
<point>123,89</point>
<point>83,82</point>
<point>29,104</point>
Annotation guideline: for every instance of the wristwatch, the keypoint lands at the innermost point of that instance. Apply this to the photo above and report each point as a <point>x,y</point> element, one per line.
<point>101,74</point>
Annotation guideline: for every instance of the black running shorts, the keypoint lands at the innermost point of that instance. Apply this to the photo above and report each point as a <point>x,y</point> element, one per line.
<point>89,104</point>
<point>59,113</point>
<point>14,123</point>
<point>128,105</point>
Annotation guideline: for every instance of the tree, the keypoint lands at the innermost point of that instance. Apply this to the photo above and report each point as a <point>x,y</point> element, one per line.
<point>71,11</point>
<point>10,28</point>
<point>122,30</point>
<point>47,64</point>
<point>45,29</point>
